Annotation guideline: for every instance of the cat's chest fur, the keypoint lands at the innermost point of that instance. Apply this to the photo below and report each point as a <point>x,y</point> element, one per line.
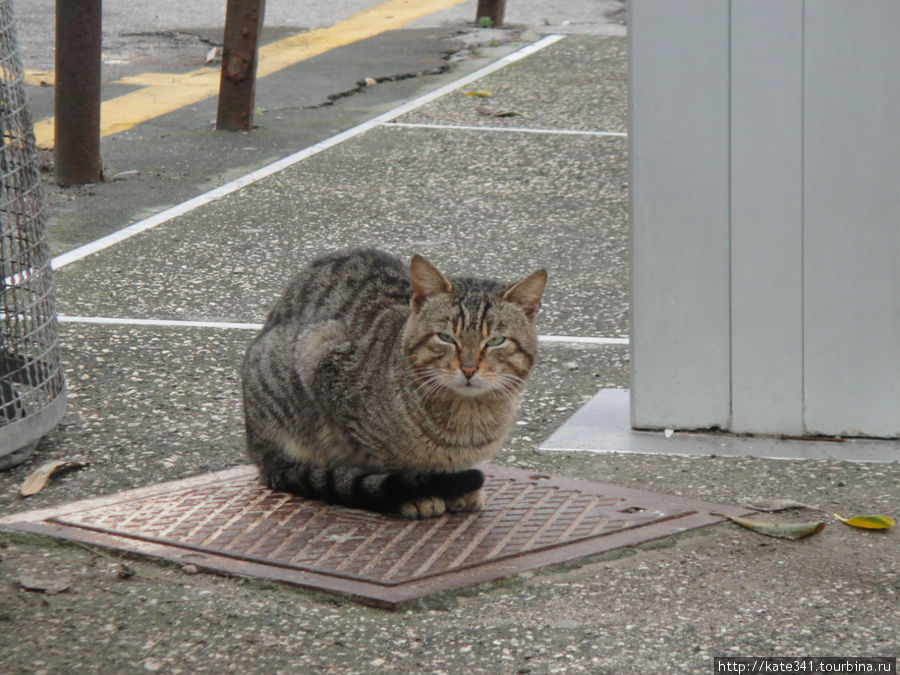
<point>456,432</point>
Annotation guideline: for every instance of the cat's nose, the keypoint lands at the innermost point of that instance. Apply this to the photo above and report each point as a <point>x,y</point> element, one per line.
<point>469,371</point>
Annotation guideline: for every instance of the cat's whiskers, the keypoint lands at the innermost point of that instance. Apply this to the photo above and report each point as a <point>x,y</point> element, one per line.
<point>428,389</point>
<point>429,381</point>
<point>508,385</point>
<point>416,373</point>
<point>510,380</point>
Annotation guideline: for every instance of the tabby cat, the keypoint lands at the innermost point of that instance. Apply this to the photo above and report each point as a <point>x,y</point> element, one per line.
<point>379,385</point>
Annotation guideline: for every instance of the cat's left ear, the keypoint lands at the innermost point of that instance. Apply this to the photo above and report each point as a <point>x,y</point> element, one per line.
<point>426,281</point>
<point>527,293</point>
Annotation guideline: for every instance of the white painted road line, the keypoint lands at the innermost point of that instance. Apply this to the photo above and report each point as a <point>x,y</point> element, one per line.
<point>572,339</point>
<point>233,325</point>
<point>165,323</point>
<point>217,193</point>
<point>520,130</point>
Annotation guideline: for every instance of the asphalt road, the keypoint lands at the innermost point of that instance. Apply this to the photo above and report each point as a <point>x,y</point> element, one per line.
<point>128,26</point>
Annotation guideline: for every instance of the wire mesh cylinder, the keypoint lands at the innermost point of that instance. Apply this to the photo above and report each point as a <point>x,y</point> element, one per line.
<point>32,386</point>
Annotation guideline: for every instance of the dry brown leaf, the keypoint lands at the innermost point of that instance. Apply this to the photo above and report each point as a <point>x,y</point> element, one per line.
<point>774,504</point>
<point>37,481</point>
<point>57,584</point>
<point>782,530</point>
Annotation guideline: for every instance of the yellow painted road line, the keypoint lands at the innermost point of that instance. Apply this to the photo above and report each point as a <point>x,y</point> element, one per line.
<point>163,93</point>
<point>39,78</point>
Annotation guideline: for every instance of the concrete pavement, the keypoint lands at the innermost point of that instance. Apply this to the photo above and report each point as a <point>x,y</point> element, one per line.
<point>477,194</point>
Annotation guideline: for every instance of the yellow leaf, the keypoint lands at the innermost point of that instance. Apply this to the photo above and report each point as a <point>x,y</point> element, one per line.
<point>478,93</point>
<point>873,522</point>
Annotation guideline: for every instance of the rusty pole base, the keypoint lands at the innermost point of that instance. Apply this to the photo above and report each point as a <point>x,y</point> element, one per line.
<point>76,146</point>
<point>237,86</point>
<point>493,10</point>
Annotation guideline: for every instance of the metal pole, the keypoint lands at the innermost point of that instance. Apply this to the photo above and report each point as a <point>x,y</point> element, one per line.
<point>243,22</point>
<point>492,9</point>
<point>76,156</point>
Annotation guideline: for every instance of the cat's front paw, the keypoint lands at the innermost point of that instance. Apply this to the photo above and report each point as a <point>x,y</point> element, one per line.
<point>427,507</point>
<point>471,501</point>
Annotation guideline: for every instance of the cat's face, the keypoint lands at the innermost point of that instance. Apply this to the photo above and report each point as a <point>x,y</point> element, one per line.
<point>473,337</point>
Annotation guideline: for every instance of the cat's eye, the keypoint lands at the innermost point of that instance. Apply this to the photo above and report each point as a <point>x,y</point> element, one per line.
<point>444,337</point>
<point>496,341</point>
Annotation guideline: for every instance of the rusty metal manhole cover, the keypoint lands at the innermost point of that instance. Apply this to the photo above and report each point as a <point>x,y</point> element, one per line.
<point>228,522</point>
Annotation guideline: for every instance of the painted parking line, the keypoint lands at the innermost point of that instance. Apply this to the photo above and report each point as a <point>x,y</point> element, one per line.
<point>39,78</point>
<point>162,93</point>
<point>217,193</point>
<point>158,323</point>
<point>233,325</point>
<point>519,130</point>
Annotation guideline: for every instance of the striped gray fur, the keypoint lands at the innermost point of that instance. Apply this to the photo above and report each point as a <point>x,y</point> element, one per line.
<point>379,385</point>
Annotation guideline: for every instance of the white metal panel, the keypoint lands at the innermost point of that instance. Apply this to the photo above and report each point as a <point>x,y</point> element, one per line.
<point>852,217</point>
<point>767,216</point>
<point>678,75</point>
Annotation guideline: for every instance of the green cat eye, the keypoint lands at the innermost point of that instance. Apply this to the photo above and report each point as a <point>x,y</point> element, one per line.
<point>444,337</point>
<point>496,340</point>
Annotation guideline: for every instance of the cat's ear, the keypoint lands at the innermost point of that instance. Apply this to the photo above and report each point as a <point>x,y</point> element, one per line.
<point>527,293</point>
<point>426,281</point>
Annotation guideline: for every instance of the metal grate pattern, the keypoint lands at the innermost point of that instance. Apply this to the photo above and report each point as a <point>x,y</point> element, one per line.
<point>247,521</point>
<point>229,522</point>
<point>32,387</point>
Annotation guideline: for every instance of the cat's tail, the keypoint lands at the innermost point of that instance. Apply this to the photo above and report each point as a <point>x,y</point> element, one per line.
<point>363,489</point>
